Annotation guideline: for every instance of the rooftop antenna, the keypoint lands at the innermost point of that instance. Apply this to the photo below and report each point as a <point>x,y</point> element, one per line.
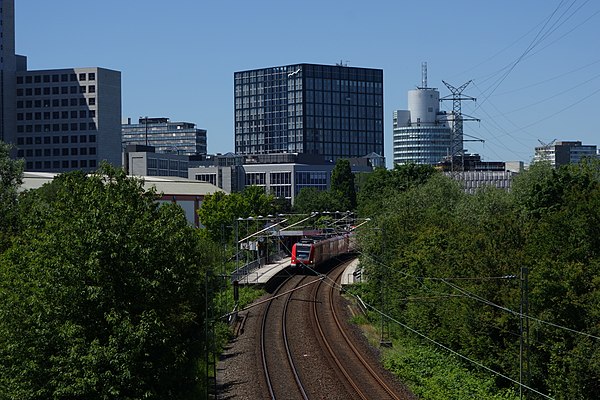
<point>424,75</point>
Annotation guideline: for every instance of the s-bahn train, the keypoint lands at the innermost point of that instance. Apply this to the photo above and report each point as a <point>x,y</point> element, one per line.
<point>312,252</point>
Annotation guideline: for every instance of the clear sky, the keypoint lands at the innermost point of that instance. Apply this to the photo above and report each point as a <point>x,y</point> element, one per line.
<point>535,64</point>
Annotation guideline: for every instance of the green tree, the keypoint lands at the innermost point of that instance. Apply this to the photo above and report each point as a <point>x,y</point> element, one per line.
<point>376,187</point>
<point>11,175</point>
<point>220,210</point>
<point>101,295</point>
<point>311,199</point>
<point>342,185</point>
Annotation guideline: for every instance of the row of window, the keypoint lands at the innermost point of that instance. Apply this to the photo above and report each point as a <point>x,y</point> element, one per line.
<point>54,165</point>
<point>163,163</point>
<point>64,152</point>
<point>82,126</point>
<point>208,178</point>
<point>56,139</point>
<point>47,91</point>
<point>72,102</point>
<point>28,79</point>
<point>73,114</point>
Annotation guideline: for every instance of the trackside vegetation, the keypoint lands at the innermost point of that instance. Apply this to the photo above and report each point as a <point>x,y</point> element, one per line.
<point>458,269</point>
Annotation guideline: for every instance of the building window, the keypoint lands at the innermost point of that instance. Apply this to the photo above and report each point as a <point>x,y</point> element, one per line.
<point>92,101</point>
<point>82,76</point>
<point>74,164</point>
<point>92,151</point>
<point>46,78</point>
<point>92,89</point>
<point>92,76</point>
<point>208,178</point>
<point>255,178</point>
<point>92,113</point>
<point>54,78</point>
<point>92,163</point>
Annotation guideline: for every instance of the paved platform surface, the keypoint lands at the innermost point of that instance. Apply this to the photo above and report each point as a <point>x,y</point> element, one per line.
<point>349,277</point>
<point>263,274</point>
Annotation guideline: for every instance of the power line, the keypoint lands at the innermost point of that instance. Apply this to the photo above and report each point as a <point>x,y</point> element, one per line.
<point>455,352</point>
<point>468,294</point>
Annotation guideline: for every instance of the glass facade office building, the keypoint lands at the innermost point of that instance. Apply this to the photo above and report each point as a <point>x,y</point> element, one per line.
<point>166,136</point>
<point>333,111</point>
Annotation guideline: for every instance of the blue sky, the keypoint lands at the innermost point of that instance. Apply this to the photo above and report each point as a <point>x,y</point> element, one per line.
<point>535,65</point>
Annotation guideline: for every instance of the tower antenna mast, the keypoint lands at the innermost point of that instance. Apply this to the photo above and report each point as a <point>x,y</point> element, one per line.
<point>424,74</point>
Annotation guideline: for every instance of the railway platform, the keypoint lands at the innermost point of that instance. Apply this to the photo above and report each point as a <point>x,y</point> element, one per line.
<point>263,274</point>
<point>352,274</point>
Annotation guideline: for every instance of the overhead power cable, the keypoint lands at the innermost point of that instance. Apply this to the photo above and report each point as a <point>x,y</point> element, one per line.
<point>456,353</point>
<point>468,294</point>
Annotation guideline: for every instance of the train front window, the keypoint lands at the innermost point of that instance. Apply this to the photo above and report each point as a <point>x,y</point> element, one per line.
<point>303,251</point>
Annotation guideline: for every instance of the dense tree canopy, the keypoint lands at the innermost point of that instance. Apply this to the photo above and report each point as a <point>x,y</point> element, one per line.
<point>219,211</point>
<point>11,173</point>
<point>101,295</point>
<point>450,266</point>
<point>342,185</point>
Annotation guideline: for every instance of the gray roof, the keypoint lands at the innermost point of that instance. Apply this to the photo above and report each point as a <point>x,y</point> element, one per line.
<point>166,185</point>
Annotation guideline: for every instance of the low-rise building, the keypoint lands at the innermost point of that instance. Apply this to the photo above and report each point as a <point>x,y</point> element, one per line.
<point>564,152</point>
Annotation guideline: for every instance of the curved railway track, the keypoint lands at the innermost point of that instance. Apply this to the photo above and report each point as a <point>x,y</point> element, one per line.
<point>346,356</point>
<point>276,378</point>
<point>328,363</point>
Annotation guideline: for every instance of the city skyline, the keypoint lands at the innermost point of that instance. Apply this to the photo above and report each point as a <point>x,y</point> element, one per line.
<point>534,73</point>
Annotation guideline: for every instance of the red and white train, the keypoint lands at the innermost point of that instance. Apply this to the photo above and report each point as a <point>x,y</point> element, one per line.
<point>312,252</point>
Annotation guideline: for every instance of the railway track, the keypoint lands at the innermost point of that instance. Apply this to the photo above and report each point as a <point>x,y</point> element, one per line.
<point>358,372</point>
<point>305,350</point>
<point>274,341</point>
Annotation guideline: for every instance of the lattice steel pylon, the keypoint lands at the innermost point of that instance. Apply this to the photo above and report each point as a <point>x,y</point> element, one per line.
<point>456,141</point>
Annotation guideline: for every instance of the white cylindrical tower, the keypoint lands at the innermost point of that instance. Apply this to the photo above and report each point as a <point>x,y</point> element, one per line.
<point>424,105</point>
